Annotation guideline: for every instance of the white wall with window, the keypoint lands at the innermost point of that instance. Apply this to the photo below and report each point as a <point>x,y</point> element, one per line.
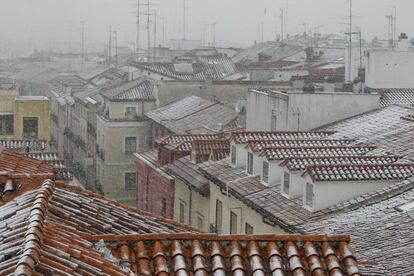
<point>182,215</point>
<point>249,167</point>
<point>275,172</point>
<point>265,172</point>
<point>238,155</point>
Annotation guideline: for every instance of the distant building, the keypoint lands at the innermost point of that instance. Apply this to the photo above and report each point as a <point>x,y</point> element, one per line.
<point>277,111</point>
<point>121,131</point>
<point>23,117</point>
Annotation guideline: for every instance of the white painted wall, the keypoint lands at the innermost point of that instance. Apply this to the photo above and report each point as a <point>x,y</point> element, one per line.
<point>331,193</point>
<point>286,75</point>
<point>304,111</point>
<point>275,173</point>
<point>387,68</point>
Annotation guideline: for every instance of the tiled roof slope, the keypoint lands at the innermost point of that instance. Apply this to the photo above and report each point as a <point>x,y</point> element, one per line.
<point>47,231</point>
<point>136,90</point>
<point>395,96</point>
<point>52,158</point>
<point>381,231</point>
<point>283,153</point>
<point>383,127</point>
<point>380,172</point>
<point>174,139</point>
<point>243,137</point>
<point>257,146</point>
<point>301,163</point>
<point>192,113</point>
<point>16,163</point>
<point>235,255</point>
<point>59,229</point>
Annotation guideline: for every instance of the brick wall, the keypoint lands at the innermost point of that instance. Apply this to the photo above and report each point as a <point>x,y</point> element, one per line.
<point>152,187</point>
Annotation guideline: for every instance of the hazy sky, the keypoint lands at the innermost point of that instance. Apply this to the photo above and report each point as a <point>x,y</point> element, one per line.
<point>51,24</point>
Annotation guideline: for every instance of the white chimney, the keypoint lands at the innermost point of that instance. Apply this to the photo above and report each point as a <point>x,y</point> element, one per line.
<point>403,42</point>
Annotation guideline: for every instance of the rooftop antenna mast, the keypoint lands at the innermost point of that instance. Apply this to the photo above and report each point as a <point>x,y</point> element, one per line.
<point>138,30</point>
<point>395,27</point>
<point>155,28</point>
<point>281,25</point>
<point>286,17</point>
<point>110,46</point>
<point>184,16</point>
<point>350,42</point>
<point>163,32</point>
<point>83,44</point>
<point>148,14</point>
<point>116,48</point>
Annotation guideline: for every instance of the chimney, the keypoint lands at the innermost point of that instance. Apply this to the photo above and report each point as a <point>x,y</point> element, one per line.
<point>403,42</point>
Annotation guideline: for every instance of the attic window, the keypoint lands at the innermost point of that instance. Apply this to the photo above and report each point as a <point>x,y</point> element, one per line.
<point>405,207</point>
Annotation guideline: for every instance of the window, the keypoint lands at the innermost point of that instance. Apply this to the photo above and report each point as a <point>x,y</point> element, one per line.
<point>273,122</point>
<point>286,183</point>
<point>265,172</point>
<point>219,216</point>
<point>200,221</point>
<point>182,211</point>
<point>249,163</point>
<point>163,207</point>
<point>130,145</point>
<point>233,223</point>
<point>249,229</point>
<point>130,111</point>
<point>6,124</point>
<point>30,127</point>
<point>233,154</point>
<point>130,180</point>
<point>309,194</point>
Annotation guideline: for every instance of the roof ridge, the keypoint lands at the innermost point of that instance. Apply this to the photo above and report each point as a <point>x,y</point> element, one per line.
<point>218,237</point>
<point>34,234</point>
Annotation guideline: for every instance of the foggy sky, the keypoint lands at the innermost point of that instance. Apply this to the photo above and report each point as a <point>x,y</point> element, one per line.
<point>55,24</point>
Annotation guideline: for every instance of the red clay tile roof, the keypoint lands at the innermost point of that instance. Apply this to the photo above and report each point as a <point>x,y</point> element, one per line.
<point>174,139</point>
<point>283,153</point>
<point>243,137</point>
<point>301,163</point>
<point>362,172</point>
<point>257,146</point>
<point>59,229</point>
<point>206,254</point>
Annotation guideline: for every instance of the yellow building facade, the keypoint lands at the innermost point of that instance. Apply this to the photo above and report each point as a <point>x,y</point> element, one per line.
<point>24,117</point>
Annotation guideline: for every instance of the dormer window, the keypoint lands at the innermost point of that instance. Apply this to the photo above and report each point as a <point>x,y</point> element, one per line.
<point>286,183</point>
<point>265,172</point>
<point>309,195</point>
<point>130,112</point>
<point>250,163</point>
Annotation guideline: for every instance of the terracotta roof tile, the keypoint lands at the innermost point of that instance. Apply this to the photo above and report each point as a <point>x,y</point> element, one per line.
<point>364,172</point>
<point>204,254</point>
<point>243,137</point>
<point>257,146</point>
<point>283,153</point>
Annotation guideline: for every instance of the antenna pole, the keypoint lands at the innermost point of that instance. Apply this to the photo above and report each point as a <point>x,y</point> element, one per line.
<point>138,30</point>
<point>83,44</point>
<point>184,23</point>
<point>116,48</point>
<point>350,42</point>
<point>155,28</point>
<point>148,31</point>
<point>163,32</point>
<point>110,46</point>
<point>281,25</point>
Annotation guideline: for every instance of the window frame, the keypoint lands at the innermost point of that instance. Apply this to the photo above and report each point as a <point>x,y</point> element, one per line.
<point>219,216</point>
<point>286,183</point>
<point>125,180</point>
<point>265,179</point>
<point>309,200</point>
<point>233,223</point>
<point>249,167</point>
<point>248,229</point>
<point>10,128</point>
<point>182,211</point>
<point>233,155</point>
<point>125,144</point>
